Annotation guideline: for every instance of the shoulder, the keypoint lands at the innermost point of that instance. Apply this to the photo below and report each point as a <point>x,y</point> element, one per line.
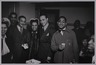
<point>55,33</point>
<point>52,28</point>
<point>70,31</point>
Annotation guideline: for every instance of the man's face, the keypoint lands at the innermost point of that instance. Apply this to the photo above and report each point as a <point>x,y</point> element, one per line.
<point>77,24</point>
<point>13,19</point>
<point>22,21</point>
<point>62,23</point>
<point>4,29</point>
<point>34,26</point>
<point>43,20</point>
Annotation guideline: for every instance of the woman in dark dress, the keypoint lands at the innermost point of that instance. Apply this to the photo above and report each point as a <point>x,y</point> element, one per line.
<point>34,39</point>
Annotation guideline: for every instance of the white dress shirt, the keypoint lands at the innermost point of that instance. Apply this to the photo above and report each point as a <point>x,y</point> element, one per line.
<point>62,31</point>
<point>45,27</point>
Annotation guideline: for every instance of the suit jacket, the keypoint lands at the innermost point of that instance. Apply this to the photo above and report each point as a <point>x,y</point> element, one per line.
<point>45,43</point>
<point>16,39</point>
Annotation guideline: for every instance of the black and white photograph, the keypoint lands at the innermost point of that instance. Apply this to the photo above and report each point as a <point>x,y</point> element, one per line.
<point>48,32</point>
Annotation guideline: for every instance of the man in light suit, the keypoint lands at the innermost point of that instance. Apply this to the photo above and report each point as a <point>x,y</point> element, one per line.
<point>64,43</point>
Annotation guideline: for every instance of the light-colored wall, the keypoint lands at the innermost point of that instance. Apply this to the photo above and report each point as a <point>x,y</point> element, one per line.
<point>84,14</point>
<point>27,10</point>
<point>73,13</point>
<point>21,8</point>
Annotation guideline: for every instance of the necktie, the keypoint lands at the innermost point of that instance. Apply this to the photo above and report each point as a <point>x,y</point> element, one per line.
<point>21,29</point>
<point>61,31</point>
<point>42,30</point>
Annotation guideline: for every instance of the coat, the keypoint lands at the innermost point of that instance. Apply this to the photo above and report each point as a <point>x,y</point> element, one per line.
<point>7,57</point>
<point>34,44</point>
<point>16,39</point>
<point>70,51</point>
<point>45,44</point>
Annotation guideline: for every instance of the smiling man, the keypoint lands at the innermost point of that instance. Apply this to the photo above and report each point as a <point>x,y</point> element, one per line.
<point>64,43</point>
<point>46,32</point>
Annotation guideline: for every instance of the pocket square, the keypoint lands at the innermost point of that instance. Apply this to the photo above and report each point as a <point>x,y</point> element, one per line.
<point>47,34</point>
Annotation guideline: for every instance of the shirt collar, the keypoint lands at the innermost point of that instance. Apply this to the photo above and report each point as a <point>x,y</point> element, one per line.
<point>45,27</point>
<point>66,29</point>
<point>63,29</point>
<point>18,27</point>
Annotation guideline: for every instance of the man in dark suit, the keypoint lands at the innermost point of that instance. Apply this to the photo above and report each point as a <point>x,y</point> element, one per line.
<point>19,39</point>
<point>46,32</point>
<point>79,33</point>
<point>13,18</point>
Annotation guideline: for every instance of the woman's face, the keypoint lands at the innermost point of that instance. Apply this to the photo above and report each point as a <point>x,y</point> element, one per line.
<point>91,43</point>
<point>4,29</point>
<point>34,26</point>
<point>85,42</point>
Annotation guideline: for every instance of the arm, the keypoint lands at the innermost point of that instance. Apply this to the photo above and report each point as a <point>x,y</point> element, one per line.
<point>53,44</point>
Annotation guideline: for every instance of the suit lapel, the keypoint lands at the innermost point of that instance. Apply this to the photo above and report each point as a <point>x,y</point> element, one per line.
<point>45,32</point>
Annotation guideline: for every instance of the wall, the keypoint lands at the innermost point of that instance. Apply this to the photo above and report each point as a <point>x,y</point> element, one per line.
<point>27,10</point>
<point>21,8</point>
<point>6,9</point>
<point>73,13</point>
<point>84,14</point>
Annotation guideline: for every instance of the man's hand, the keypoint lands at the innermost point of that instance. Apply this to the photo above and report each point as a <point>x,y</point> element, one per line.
<point>62,46</point>
<point>25,46</point>
<point>81,53</point>
<point>48,59</point>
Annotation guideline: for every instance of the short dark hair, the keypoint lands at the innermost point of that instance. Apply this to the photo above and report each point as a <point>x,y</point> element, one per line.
<point>35,20</point>
<point>44,15</point>
<point>12,13</point>
<point>21,17</point>
<point>77,21</point>
<point>63,18</point>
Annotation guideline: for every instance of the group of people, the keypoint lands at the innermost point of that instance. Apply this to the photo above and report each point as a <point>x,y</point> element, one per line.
<point>41,41</point>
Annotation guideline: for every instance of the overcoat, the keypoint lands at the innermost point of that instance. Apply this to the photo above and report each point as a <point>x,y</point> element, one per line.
<point>70,51</point>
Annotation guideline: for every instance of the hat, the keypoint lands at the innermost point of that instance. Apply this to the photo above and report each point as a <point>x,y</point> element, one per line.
<point>5,19</point>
